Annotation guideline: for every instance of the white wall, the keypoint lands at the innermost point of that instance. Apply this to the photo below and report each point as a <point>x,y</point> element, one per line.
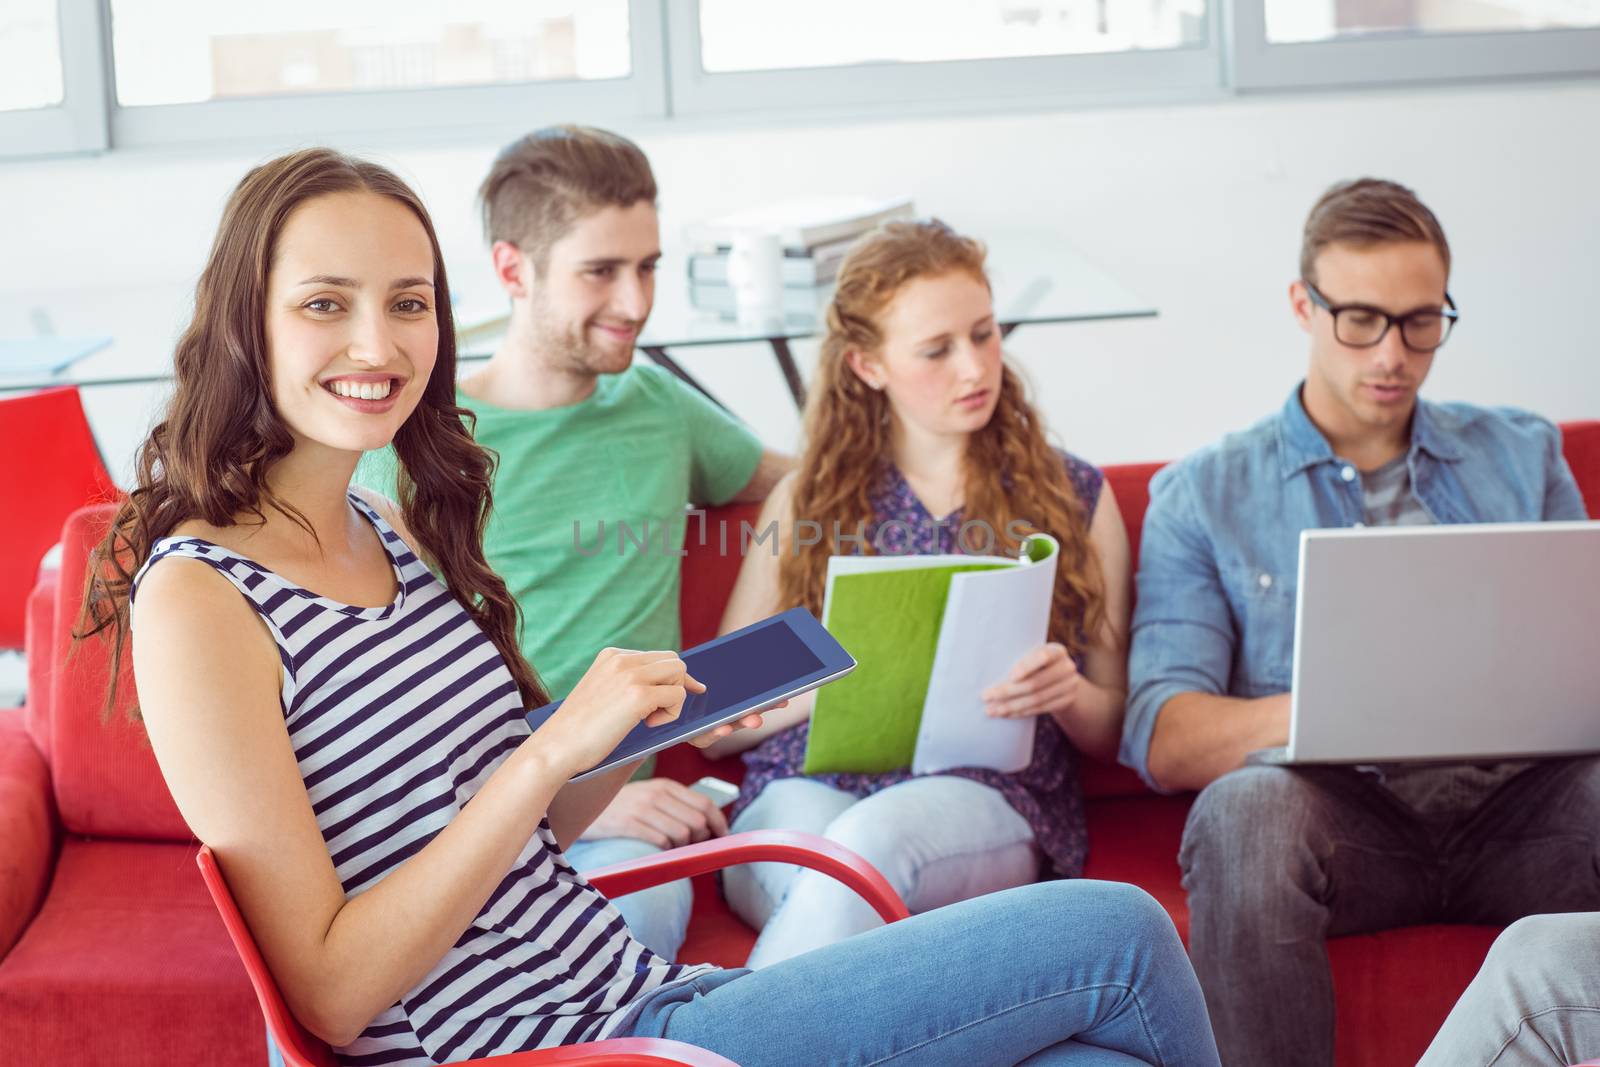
<point>1196,208</point>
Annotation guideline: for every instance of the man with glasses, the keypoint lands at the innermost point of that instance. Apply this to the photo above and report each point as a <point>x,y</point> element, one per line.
<point>1275,859</point>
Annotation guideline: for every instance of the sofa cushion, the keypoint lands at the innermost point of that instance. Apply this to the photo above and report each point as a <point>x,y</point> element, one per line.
<point>1135,839</point>
<point>106,780</point>
<point>1107,780</point>
<point>1393,989</point>
<point>27,828</point>
<point>1131,483</point>
<point>1580,443</point>
<point>708,570</point>
<point>40,628</point>
<point>715,934</point>
<point>127,963</point>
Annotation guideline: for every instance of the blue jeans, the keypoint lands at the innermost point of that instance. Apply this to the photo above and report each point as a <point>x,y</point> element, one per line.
<point>1089,974</point>
<point>937,840</point>
<point>658,916</point>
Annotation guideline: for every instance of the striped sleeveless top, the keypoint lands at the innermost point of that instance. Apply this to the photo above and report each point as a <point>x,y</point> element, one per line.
<point>398,715</point>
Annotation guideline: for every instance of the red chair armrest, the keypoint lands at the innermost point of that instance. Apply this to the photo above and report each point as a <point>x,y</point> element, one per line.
<point>27,828</point>
<point>302,1049</point>
<point>754,846</point>
<point>617,1052</point>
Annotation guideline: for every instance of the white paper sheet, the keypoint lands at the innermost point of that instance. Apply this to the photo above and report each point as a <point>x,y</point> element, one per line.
<point>991,620</point>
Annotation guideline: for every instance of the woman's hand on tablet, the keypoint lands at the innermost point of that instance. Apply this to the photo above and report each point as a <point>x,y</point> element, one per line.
<point>752,721</point>
<point>621,689</point>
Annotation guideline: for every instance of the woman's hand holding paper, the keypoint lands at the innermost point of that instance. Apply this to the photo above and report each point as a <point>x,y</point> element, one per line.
<point>1045,680</point>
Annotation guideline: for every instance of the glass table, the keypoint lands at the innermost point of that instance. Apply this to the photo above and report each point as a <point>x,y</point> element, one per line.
<point>1037,278</point>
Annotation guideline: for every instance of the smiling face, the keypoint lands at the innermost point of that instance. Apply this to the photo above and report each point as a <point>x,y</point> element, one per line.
<point>1356,395</point>
<point>940,361</point>
<point>351,330</point>
<point>595,289</point>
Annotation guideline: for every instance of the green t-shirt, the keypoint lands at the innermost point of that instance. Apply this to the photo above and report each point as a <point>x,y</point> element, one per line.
<point>574,483</point>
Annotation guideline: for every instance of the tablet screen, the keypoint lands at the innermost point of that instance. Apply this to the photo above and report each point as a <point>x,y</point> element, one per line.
<point>737,670</point>
<point>742,670</point>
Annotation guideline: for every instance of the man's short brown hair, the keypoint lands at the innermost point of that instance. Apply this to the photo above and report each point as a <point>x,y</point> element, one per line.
<point>1367,212</point>
<point>543,183</point>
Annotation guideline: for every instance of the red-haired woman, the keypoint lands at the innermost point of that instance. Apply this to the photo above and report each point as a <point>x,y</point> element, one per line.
<point>332,687</point>
<point>920,439</point>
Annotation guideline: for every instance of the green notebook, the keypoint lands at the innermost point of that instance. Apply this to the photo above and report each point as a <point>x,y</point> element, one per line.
<point>916,654</point>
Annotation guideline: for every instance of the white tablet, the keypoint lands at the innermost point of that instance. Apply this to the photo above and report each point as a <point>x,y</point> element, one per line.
<point>746,671</point>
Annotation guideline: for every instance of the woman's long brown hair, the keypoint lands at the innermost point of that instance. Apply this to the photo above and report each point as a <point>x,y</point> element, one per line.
<point>1011,474</point>
<point>210,455</point>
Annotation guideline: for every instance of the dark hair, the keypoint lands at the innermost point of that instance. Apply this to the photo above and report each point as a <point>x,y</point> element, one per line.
<point>209,456</point>
<point>543,183</point>
<point>1366,212</point>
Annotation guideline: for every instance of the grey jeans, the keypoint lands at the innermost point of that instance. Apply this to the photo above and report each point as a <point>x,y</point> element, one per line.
<point>1277,859</point>
<point>1535,1003</point>
<point>938,838</point>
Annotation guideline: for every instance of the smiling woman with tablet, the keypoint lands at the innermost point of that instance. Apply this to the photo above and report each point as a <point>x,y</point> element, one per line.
<point>332,687</point>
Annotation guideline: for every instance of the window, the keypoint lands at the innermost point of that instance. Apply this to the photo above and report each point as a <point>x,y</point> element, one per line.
<point>742,35</point>
<point>1287,43</point>
<point>52,78</point>
<point>1291,21</point>
<point>81,75</point>
<point>187,70</point>
<point>746,55</point>
<point>182,52</point>
<point>30,56</point>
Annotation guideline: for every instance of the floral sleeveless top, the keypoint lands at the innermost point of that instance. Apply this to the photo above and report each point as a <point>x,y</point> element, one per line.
<point>1047,792</point>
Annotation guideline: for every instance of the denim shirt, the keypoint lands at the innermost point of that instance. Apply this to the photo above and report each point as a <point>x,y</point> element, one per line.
<point>1220,553</point>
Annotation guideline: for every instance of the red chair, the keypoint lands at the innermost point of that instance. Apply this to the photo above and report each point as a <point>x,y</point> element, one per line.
<point>301,1049</point>
<point>55,469</point>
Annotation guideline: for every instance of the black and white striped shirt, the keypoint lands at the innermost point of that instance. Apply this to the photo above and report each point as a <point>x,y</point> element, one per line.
<point>398,715</point>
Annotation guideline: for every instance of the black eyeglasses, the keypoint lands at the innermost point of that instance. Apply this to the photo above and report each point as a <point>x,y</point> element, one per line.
<point>1363,326</point>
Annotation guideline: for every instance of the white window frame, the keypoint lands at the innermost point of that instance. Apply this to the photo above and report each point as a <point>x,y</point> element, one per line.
<point>1401,59</point>
<point>78,123</point>
<point>379,113</point>
<point>953,85</point>
<point>668,82</point>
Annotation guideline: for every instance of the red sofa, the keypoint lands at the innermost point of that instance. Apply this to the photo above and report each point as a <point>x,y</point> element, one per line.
<point>111,952</point>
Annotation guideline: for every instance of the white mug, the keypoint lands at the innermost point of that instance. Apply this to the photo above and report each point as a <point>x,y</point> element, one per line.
<point>755,271</point>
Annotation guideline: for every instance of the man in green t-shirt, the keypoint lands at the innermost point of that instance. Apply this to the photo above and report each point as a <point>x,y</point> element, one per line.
<point>599,457</point>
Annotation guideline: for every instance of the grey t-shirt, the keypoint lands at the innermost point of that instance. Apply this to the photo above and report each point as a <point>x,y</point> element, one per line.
<point>1430,789</point>
<point>1387,499</point>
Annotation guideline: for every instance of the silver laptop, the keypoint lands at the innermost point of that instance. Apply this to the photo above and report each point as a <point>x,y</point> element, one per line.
<point>1445,643</point>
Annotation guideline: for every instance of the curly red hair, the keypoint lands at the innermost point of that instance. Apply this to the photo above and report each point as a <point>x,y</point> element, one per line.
<point>1014,479</point>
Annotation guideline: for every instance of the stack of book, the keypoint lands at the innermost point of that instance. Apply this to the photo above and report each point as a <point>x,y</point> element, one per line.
<point>815,233</point>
